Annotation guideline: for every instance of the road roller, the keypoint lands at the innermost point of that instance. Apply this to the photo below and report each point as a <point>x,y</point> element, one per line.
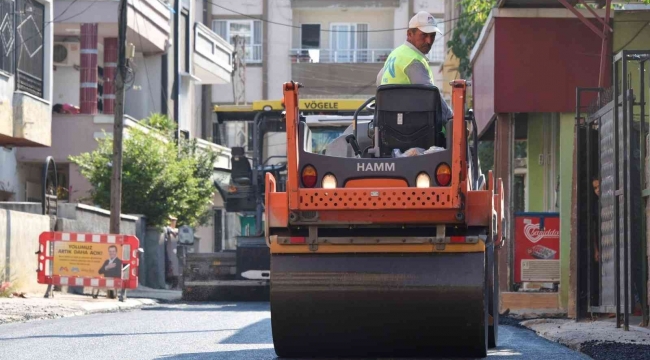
<point>388,248</point>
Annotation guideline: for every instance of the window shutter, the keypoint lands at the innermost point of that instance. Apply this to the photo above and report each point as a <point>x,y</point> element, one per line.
<point>362,43</point>
<point>257,32</point>
<point>362,36</point>
<point>257,40</point>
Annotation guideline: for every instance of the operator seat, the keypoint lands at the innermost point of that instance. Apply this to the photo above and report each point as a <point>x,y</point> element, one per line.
<point>408,116</point>
<point>241,168</point>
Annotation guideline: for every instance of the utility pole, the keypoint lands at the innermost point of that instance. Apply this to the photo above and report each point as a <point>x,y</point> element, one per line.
<point>118,122</point>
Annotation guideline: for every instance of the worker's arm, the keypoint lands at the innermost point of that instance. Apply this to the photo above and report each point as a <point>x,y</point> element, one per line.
<point>418,74</point>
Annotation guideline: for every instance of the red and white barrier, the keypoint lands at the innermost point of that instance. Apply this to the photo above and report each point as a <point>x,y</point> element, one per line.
<point>47,259</point>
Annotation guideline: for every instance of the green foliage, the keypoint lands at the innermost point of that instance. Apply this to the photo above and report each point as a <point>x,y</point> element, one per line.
<point>473,15</point>
<point>159,177</point>
<point>160,122</point>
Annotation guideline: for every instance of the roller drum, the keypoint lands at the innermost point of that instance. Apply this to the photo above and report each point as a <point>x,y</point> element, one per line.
<point>379,305</point>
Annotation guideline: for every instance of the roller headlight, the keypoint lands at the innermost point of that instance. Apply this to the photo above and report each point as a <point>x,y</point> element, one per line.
<point>423,180</point>
<point>329,181</point>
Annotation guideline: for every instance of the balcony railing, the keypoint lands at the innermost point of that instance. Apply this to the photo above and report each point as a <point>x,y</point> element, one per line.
<point>329,56</point>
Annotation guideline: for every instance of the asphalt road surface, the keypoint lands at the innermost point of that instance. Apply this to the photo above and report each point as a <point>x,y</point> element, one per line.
<point>203,331</point>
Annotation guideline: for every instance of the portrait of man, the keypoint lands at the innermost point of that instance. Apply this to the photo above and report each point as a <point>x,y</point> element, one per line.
<point>112,267</point>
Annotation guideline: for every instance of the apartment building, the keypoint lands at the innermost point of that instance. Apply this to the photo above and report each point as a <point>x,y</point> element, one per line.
<point>335,48</point>
<point>171,55</point>
<point>25,89</point>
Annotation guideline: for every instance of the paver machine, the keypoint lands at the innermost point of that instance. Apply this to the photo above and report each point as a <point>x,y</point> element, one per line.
<point>379,254</point>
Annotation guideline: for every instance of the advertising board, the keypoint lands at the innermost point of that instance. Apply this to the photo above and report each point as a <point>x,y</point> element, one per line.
<point>537,247</point>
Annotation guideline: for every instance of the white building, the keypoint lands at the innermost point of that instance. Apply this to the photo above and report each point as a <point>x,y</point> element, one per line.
<point>335,48</point>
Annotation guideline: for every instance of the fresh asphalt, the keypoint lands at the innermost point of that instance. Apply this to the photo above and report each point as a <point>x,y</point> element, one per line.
<point>196,331</point>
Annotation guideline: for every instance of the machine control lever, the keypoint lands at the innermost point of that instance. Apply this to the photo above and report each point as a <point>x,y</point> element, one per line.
<point>352,140</point>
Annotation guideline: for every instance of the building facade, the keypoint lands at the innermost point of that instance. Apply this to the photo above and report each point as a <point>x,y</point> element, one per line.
<point>171,56</point>
<point>26,91</point>
<point>334,48</point>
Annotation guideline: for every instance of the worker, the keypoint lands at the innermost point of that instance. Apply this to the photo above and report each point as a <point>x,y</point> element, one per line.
<point>407,64</point>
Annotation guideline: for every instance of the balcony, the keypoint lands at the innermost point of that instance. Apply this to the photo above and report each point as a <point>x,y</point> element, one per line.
<point>76,134</point>
<point>148,27</point>
<point>212,56</point>
<point>339,56</point>
<point>25,118</point>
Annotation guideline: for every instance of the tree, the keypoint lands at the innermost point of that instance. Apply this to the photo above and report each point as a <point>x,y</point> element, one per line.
<point>159,177</point>
<point>472,17</point>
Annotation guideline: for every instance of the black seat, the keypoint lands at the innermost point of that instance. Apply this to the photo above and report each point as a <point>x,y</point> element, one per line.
<point>408,116</point>
<point>242,174</point>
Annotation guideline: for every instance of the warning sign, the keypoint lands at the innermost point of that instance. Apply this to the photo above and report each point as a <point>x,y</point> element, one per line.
<point>87,259</point>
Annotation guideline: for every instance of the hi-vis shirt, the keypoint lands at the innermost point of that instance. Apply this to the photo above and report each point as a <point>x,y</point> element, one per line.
<point>417,73</point>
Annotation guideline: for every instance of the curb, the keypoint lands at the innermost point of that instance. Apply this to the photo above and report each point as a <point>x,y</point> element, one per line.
<point>586,337</point>
<point>80,309</point>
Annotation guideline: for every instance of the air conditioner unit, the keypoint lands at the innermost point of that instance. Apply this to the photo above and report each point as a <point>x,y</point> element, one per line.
<point>66,53</point>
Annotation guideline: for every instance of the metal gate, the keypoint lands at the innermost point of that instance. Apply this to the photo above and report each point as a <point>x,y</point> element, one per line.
<point>611,262</point>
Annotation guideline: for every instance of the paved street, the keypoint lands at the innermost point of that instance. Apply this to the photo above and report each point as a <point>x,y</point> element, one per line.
<point>206,331</point>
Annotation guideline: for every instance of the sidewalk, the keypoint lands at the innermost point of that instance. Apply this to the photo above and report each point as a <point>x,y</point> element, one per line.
<point>599,339</point>
<point>36,307</point>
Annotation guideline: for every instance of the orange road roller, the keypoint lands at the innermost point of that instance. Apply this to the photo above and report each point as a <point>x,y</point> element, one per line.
<point>387,248</point>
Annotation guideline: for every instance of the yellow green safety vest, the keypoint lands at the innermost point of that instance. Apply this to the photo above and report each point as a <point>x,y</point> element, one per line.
<point>397,62</point>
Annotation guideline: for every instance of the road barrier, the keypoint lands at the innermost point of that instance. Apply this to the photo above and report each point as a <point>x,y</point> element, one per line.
<point>100,261</point>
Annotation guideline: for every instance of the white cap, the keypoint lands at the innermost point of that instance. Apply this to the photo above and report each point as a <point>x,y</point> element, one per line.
<point>425,22</point>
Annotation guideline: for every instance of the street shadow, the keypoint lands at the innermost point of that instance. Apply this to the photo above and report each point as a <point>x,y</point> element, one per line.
<point>260,354</point>
<point>269,354</point>
<point>252,334</point>
<point>212,306</point>
<point>111,334</point>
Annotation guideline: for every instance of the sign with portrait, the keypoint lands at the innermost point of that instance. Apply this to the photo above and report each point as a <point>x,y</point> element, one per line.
<point>85,259</point>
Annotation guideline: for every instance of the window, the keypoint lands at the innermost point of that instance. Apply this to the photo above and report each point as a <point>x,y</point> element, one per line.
<point>322,136</point>
<point>249,30</point>
<point>349,43</point>
<point>29,47</point>
<point>7,36</point>
<point>310,35</point>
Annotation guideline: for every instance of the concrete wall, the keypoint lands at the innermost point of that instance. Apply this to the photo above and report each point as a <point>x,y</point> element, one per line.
<point>144,98</point>
<point>279,66</point>
<point>6,110</point>
<point>32,120</point>
<point>222,94</point>
<point>401,19</point>
<point>88,219</point>
<point>19,234</point>
<point>241,6</point>
<point>26,207</point>
<point>65,79</point>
